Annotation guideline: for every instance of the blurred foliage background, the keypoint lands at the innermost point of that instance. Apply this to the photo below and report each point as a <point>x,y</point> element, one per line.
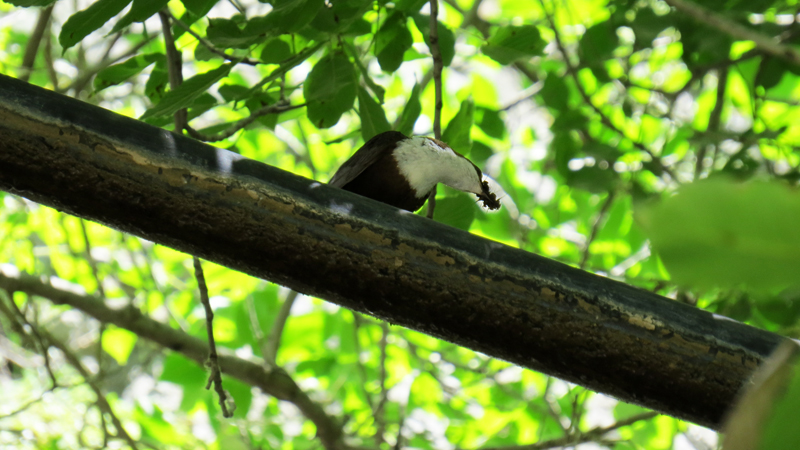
<point>615,127</point>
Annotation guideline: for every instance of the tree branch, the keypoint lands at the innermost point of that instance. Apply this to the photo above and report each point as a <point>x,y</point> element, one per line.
<point>273,381</point>
<point>367,256</point>
<point>765,43</point>
<point>438,66</point>
<point>213,360</point>
<point>32,48</point>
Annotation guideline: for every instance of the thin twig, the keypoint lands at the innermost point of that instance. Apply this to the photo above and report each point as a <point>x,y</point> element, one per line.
<point>273,341</point>
<point>210,46</point>
<point>269,109</point>
<point>213,359</point>
<point>766,43</point>
<point>438,66</point>
<point>713,120</point>
<point>102,403</point>
<point>46,340</point>
<point>595,434</point>
<point>378,412</point>
<point>32,48</point>
<point>174,65</point>
<point>601,215</point>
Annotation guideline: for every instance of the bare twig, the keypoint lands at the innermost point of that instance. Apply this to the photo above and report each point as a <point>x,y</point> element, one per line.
<point>378,412</point>
<point>438,66</point>
<point>32,48</point>
<point>593,435</point>
<point>601,215</point>
<point>102,403</point>
<point>213,359</point>
<point>209,45</point>
<point>766,43</point>
<point>173,65</point>
<point>713,120</point>
<point>273,341</point>
<point>269,109</point>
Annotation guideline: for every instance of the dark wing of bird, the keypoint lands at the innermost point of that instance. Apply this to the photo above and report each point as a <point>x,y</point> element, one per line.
<point>367,155</point>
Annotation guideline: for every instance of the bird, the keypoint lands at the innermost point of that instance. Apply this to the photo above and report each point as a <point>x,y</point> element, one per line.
<point>402,171</point>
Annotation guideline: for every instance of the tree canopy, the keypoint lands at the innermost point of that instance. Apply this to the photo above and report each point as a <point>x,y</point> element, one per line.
<point>652,142</point>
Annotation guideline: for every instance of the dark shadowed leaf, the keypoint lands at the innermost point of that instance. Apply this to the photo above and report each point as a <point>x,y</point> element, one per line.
<point>410,112</point>
<point>140,11</point>
<point>447,40</point>
<point>555,92</point>
<point>118,73</point>
<point>29,3</point>
<point>198,7</point>
<point>187,92</point>
<point>289,16</point>
<point>80,24</point>
<point>457,210</point>
<point>490,122</point>
<point>225,33</point>
<point>330,89</point>
<point>598,42</point>
<point>456,135</point>
<point>392,41</point>
<point>511,43</point>
<point>275,51</point>
<point>373,119</point>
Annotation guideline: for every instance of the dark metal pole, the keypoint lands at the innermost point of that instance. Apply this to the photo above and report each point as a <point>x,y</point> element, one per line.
<point>410,271</point>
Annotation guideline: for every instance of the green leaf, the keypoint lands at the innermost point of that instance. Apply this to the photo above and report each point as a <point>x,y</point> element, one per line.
<point>391,42</point>
<point>511,43</point>
<point>80,24</point>
<point>156,85</point>
<point>185,373</point>
<point>721,233</point>
<point>186,93</point>
<point>119,343</point>
<point>598,43</point>
<point>199,7</point>
<point>275,51</point>
<point>330,89</point>
<point>593,179</point>
<point>373,119</point>
<point>225,33</point>
<point>770,72</point>
<point>456,135</point>
<point>447,40</point>
<point>457,210</point>
<point>29,3</point>
<point>491,123</point>
<point>139,12</point>
<point>647,26</point>
<point>118,73</point>
<point>289,16</point>
<point>411,112</point>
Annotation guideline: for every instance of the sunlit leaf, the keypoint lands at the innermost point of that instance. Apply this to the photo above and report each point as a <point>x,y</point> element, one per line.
<point>511,43</point>
<point>187,92</point>
<point>80,24</point>
<point>722,233</point>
